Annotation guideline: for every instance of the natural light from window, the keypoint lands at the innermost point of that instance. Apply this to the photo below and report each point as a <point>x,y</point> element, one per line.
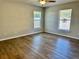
<point>65,19</point>
<point>37,19</point>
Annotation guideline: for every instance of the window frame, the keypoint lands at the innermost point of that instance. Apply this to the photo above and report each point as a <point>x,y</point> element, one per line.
<point>64,29</point>
<point>37,19</point>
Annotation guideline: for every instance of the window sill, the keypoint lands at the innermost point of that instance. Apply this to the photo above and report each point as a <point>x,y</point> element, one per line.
<point>66,31</point>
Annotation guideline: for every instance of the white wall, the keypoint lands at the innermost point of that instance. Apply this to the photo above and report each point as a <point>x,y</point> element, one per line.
<point>52,19</point>
<point>16,19</point>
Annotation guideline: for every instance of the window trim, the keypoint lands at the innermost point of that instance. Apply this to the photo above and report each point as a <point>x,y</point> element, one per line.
<point>37,18</point>
<point>65,30</point>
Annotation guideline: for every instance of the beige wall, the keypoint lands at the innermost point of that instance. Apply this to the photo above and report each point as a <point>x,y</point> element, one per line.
<point>0,19</point>
<point>16,19</point>
<point>52,19</point>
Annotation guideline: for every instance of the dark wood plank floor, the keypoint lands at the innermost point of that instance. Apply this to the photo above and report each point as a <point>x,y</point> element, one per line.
<point>40,46</point>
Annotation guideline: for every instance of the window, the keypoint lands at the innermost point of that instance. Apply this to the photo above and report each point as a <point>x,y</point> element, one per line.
<point>37,19</point>
<point>65,19</point>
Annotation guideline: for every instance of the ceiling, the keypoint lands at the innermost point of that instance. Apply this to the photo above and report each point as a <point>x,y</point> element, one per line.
<point>36,2</point>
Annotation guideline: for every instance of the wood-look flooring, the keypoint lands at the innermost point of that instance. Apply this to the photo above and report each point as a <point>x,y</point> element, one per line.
<point>40,46</point>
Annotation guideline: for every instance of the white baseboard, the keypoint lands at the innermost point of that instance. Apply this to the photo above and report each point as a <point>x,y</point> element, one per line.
<point>8,38</point>
<point>64,35</point>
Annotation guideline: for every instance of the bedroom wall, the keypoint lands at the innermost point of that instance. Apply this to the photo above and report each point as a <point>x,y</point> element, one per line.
<point>0,19</point>
<point>52,19</point>
<point>16,19</point>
